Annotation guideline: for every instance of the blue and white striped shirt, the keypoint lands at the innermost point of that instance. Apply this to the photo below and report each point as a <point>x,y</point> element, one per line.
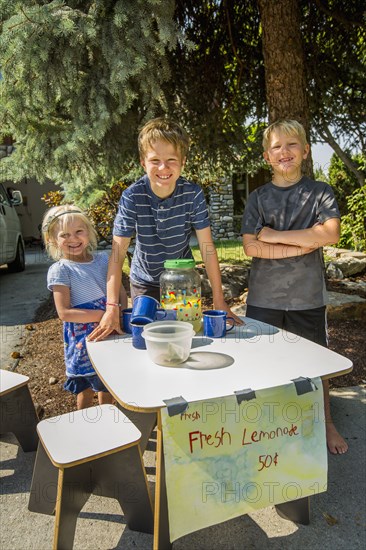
<point>87,281</point>
<point>163,227</point>
<point>88,287</point>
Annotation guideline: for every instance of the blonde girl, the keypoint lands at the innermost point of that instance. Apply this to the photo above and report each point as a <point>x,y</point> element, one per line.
<point>78,282</point>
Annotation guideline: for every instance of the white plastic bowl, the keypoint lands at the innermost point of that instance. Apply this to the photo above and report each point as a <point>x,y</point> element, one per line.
<point>168,343</point>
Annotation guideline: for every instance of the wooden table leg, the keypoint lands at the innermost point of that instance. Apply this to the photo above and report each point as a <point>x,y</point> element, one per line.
<point>74,489</point>
<point>296,510</point>
<point>145,422</point>
<point>18,415</point>
<point>43,493</point>
<point>161,518</point>
<point>122,476</point>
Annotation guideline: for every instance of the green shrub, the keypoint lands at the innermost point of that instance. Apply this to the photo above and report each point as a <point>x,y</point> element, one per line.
<point>353,224</point>
<point>343,181</point>
<point>101,213</point>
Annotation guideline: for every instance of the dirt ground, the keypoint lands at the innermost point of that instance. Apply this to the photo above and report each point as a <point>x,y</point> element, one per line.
<point>42,358</point>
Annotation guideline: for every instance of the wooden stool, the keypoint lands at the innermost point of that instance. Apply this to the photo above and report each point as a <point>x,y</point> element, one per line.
<point>17,412</point>
<point>94,450</point>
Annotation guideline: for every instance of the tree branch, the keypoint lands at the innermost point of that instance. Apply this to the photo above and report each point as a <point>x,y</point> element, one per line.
<point>235,51</point>
<point>26,16</point>
<point>337,16</point>
<point>326,134</point>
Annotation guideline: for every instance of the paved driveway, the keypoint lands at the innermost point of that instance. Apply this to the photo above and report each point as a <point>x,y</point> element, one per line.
<point>20,296</point>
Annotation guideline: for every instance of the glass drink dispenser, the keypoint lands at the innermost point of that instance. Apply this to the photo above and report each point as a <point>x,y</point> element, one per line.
<point>180,292</point>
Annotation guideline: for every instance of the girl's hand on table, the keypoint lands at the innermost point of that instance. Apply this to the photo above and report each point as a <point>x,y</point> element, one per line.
<point>109,323</point>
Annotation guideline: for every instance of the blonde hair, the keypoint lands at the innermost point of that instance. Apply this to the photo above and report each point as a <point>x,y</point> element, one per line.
<point>166,130</point>
<point>57,219</point>
<point>288,127</point>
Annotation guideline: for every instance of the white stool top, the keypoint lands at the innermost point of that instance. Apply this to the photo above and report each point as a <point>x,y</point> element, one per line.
<point>9,381</point>
<point>84,435</point>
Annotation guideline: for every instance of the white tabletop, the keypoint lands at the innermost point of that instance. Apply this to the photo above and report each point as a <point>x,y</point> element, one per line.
<point>9,381</point>
<point>254,356</point>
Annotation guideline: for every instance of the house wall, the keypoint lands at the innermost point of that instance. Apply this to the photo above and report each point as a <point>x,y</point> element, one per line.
<point>221,210</point>
<point>227,201</point>
<point>244,184</point>
<point>33,208</point>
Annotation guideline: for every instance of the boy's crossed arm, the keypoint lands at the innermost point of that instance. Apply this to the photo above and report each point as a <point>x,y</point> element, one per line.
<point>319,235</point>
<point>276,245</point>
<point>255,248</point>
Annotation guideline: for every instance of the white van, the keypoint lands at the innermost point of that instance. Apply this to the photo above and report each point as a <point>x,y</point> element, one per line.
<point>11,240</point>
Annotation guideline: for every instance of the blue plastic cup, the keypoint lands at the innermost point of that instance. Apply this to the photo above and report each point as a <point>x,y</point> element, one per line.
<point>126,320</point>
<point>144,309</point>
<point>138,341</point>
<point>215,323</point>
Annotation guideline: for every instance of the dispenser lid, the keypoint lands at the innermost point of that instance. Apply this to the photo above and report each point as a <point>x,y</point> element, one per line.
<point>180,264</point>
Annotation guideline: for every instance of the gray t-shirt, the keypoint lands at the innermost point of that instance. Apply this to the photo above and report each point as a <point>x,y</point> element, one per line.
<point>289,283</point>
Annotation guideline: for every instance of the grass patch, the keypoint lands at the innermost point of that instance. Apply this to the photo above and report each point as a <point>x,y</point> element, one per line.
<point>126,269</point>
<point>228,252</point>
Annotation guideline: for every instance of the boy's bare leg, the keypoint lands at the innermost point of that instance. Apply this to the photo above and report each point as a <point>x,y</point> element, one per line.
<point>336,443</point>
<point>105,398</point>
<point>84,399</point>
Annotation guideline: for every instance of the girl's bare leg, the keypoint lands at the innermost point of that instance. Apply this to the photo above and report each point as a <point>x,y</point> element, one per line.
<point>105,398</point>
<point>85,399</point>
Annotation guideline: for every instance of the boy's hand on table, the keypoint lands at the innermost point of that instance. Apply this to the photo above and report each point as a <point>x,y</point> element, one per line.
<point>237,319</point>
<point>109,323</point>
<point>225,307</point>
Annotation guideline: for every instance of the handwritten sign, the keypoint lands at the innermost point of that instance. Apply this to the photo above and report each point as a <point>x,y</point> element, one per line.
<point>223,460</point>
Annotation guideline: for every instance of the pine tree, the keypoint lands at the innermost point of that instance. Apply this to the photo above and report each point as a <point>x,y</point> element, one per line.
<point>78,78</point>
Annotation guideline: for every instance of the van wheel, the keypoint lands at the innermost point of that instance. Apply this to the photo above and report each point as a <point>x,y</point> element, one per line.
<point>19,263</point>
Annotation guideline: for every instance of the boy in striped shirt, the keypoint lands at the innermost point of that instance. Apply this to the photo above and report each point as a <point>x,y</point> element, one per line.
<point>161,209</point>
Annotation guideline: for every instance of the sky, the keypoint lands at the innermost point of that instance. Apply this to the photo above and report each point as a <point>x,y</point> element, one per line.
<point>321,153</point>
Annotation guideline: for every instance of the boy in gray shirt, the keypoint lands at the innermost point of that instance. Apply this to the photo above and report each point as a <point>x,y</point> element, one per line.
<point>285,225</point>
